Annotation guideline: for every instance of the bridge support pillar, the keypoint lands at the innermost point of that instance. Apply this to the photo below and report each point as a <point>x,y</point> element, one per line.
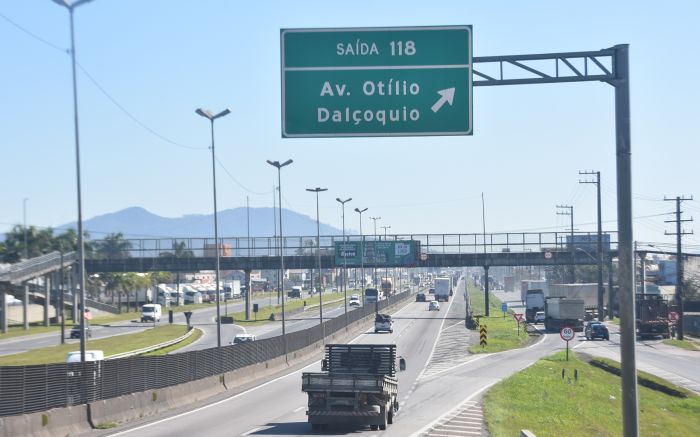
<point>486,291</point>
<point>248,294</point>
<point>47,299</point>
<point>74,294</point>
<point>25,305</point>
<point>3,309</point>
<point>611,296</point>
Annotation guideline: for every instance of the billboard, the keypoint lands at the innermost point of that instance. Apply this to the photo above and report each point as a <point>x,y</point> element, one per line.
<point>588,242</point>
<point>377,253</point>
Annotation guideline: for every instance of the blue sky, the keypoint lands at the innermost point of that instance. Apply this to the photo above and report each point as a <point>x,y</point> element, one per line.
<point>159,60</point>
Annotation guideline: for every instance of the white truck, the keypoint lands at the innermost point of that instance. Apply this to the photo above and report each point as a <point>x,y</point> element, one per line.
<point>151,312</point>
<point>560,312</point>
<point>443,286</point>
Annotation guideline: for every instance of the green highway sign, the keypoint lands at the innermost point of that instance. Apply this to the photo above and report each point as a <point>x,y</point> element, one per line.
<point>377,253</point>
<point>367,82</point>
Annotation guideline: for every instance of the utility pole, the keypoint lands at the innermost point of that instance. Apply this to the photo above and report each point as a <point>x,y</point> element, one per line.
<point>679,259</point>
<point>573,262</point>
<point>601,304</point>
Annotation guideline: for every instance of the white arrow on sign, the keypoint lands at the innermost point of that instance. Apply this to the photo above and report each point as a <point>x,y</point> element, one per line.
<point>446,96</point>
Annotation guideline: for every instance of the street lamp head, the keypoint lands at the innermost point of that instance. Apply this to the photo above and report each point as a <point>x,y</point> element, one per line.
<point>277,163</point>
<point>208,114</point>
<point>343,201</point>
<point>70,5</point>
<point>360,210</point>
<point>316,190</point>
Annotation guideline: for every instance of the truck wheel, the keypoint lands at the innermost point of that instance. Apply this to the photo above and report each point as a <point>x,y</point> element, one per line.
<point>376,331</point>
<point>390,418</point>
<point>374,427</point>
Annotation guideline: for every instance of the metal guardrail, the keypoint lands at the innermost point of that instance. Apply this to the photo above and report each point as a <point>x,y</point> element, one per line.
<point>27,389</point>
<point>152,348</point>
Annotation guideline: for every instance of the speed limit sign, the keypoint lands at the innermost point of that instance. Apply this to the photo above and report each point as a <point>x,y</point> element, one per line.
<point>567,333</point>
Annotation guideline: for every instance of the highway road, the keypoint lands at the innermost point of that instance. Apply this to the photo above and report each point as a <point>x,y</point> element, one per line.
<point>441,378</point>
<point>204,319</point>
<point>680,366</point>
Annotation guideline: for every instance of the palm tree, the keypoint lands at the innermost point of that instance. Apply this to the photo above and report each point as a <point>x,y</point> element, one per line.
<point>180,250</point>
<point>114,246</point>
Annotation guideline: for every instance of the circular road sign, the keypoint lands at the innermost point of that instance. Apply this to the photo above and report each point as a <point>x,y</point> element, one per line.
<point>673,315</point>
<point>548,255</point>
<point>567,333</point>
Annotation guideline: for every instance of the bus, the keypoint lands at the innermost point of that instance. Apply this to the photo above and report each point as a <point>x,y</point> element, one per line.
<point>372,295</point>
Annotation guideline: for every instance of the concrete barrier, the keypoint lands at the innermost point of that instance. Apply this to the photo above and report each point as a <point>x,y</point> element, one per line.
<point>135,406</point>
<point>123,409</point>
<point>58,421</point>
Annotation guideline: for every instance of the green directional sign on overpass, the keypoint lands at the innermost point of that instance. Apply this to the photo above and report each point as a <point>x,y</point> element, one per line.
<point>364,82</point>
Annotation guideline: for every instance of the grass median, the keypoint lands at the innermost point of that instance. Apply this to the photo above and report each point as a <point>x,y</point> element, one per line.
<point>541,400</point>
<point>263,314</point>
<point>683,344</point>
<point>502,332</point>
<point>110,346</point>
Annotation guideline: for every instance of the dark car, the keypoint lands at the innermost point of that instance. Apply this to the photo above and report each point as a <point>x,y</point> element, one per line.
<point>75,331</point>
<point>431,290</point>
<point>598,331</point>
<point>420,297</point>
<point>589,325</point>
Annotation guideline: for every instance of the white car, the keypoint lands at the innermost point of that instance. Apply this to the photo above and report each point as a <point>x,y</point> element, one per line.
<point>242,338</point>
<point>539,317</point>
<point>354,301</point>
<point>434,305</point>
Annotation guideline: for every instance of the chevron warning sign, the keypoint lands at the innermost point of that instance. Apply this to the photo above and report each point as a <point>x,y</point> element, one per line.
<point>482,335</point>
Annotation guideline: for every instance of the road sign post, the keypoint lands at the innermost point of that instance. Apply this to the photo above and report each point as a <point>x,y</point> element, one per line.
<point>364,82</point>
<point>518,319</point>
<point>483,336</point>
<point>567,334</point>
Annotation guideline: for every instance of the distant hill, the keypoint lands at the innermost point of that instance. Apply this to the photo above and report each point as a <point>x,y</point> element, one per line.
<point>136,222</point>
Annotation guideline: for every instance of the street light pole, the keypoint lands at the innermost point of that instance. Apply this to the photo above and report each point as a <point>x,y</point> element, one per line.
<point>279,191</point>
<point>318,250</point>
<point>386,271</point>
<point>211,117</point>
<point>362,254</point>
<point>374,271</point>
<point>345,261</point>
<point>81,243</point>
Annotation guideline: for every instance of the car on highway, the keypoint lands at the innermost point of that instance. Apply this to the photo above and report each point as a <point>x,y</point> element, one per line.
<point>431,291</point>
<point>420,297</point>
<point>589,325</point>
<point>598,331</point>
<point>539,317</point>
<point>355,301</point>
<point>434,305</point>
<point>75,331</point>
<point>243,338</point>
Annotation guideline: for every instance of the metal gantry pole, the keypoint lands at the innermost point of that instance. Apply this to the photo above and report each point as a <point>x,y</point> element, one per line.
<point>630,425</point>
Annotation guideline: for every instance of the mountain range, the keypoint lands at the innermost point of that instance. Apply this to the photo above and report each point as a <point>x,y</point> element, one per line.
<point>136,222</point>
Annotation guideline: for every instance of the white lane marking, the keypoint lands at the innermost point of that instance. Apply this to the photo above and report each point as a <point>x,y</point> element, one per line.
<point>252,431</point>
<point>299,409</point>
<point>437,340</point>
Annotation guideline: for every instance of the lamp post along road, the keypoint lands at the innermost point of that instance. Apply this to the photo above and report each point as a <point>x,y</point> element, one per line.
<point>211,117</point>
<point>374,270</point>
<point>345,261</point>
<point>279,191</point>
<point>362,254</point>
<point>386,272</point>
<point>318,250</point>
<point>81,243</point>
